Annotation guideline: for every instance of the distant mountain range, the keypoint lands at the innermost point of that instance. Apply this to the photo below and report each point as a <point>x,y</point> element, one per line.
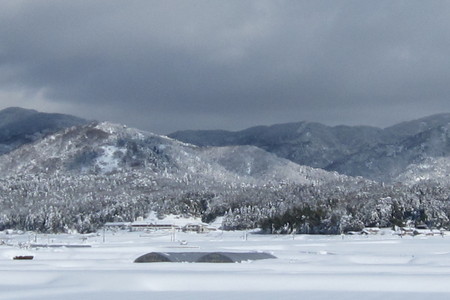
<point>20,126</point>
<point>374,153</point>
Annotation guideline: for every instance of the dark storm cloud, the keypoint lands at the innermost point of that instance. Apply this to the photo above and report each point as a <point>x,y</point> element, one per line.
<point>167,65</point>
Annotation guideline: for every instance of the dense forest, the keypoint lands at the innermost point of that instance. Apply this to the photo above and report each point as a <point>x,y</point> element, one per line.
<point>63,203</point>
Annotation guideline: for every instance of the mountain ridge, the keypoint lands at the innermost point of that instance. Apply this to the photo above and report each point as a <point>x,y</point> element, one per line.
<point>380,154</point>
<point>19,126</point>
<point>103,147</point>
<point>351,150</point>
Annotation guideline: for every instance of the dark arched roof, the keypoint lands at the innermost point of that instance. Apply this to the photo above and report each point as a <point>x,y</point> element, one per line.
<point>153,257</point>
<point>204,257</point>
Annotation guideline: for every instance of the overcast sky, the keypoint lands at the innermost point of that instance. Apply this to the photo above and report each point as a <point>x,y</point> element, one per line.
<point>169,65</point>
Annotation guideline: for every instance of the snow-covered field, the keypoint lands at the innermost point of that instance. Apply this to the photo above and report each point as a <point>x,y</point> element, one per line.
<point>307,267</point>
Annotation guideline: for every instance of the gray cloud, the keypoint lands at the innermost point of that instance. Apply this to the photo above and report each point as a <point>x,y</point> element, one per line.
<point>168,65</point>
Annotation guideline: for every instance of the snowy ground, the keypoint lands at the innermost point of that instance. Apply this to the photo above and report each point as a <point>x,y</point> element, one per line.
<point>307,267</point>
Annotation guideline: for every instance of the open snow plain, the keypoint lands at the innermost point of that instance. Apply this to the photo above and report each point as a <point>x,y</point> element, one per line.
<point>317,267</point>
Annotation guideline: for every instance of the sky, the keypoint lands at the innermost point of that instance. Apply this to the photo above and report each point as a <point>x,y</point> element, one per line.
<point>173,65</point>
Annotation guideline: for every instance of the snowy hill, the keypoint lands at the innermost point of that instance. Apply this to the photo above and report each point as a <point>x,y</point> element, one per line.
<point>432,171</point>
<point>265,167</point>
<point>90,149</point>
<point>105,148</point>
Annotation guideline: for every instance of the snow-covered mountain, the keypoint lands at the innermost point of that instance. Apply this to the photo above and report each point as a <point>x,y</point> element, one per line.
<point>105,148</point>
<point>385,162</point>
<point>305,143</point>
<point>414,127</point>
<point>251,161</point>
<point>96,148</point>
<point>374,153</point>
